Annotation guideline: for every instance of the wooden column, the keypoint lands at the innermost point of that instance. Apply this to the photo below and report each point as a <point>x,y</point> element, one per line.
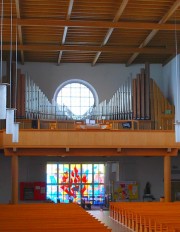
<point>14,174</point>
<point>167,178</point>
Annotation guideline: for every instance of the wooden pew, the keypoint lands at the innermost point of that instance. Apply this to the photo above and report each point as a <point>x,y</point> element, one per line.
<point>48,217</point>
<point>146,216</point>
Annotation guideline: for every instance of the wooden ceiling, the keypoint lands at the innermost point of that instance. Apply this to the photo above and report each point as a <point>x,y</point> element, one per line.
<point>90,31</point>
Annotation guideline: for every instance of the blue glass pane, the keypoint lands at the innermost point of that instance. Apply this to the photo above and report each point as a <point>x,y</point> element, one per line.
<point>51,171</point>
<point>99,194</point>
<point>86,168</point>
<point>51,192</point>
<point>99,168</point>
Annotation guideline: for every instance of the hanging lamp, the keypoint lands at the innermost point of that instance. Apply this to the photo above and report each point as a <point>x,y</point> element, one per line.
<point>177,81</point>
<point>10,111</point>
<point>15,135</point>
<point>3,86</point>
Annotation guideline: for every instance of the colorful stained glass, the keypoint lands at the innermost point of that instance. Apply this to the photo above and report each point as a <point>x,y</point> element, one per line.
<point>75,181</point>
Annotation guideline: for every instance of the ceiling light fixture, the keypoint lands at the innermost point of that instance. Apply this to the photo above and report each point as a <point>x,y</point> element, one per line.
<point>10,111</point>
<point>3,86</point>
<point>177,82</point>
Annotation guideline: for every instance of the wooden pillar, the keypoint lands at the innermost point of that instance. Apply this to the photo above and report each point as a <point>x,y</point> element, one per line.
<point>167,178</point>
<point>14,174</point>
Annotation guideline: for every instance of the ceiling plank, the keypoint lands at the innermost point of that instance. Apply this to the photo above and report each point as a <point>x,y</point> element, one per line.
<point>48,27</point>
<point>154,31</point>
<point>19,29</point>
<point>110,31</point>
<point>71,2</point>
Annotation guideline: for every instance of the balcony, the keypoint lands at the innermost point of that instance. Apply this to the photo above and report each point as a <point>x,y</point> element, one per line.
<point>107,138</point>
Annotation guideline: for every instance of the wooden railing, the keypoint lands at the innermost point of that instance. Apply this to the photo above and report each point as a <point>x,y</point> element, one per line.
<point>167,123</point>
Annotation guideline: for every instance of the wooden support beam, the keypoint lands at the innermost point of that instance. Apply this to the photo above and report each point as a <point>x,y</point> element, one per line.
<point>110,31</point>
<point>86,152</point>
<point>14,174</point>
<point>19,29</point>
<point>167,178</point>
<point>114,49</point>
<point>154,31</point>
<point>91,24</point>
<point>70,6</point>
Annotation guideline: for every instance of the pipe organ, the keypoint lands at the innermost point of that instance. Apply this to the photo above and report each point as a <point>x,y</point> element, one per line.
<point>37,104</point>
<point>118,107</point>
<point>138,98</point>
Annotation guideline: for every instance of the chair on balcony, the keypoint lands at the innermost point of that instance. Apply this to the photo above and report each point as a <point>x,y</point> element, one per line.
<point>53,125</point>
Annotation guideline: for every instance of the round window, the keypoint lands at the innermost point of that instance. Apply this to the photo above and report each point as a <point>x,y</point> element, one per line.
<point>76,99</point>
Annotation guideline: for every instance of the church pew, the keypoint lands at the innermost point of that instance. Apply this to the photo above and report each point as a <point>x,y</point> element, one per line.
<point>139,216</point>
<point>48,217</point>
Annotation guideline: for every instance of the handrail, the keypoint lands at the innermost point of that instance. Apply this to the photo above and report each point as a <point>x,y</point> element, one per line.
<point>167,123</point>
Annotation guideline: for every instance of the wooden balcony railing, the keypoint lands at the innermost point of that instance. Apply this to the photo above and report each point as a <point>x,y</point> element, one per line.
<point>166,123</point>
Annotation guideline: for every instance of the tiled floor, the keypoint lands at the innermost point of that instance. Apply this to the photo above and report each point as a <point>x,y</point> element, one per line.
<point>112,224</point>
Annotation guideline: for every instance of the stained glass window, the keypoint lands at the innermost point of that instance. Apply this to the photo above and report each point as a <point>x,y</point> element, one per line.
<point>72,182</point>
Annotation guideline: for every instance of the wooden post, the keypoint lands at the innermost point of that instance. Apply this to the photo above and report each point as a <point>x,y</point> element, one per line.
<point>142,94</point>
<point>134,83</point>
<point>14,174</point>
<point>167,178</point>
<point>147,91</point>
<point>138,96</point>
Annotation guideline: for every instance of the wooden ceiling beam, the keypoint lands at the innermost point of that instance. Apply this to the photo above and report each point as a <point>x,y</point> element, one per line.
<point>110,31</point>
<point>19,29</point>
<point>70,6</point>
<point>155,31</point>
<point>92,24</point>
<point>114,49</point>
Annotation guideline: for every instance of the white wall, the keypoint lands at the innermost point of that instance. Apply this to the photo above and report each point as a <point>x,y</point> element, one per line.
<point>105,78</point>
<point>170,73</point>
